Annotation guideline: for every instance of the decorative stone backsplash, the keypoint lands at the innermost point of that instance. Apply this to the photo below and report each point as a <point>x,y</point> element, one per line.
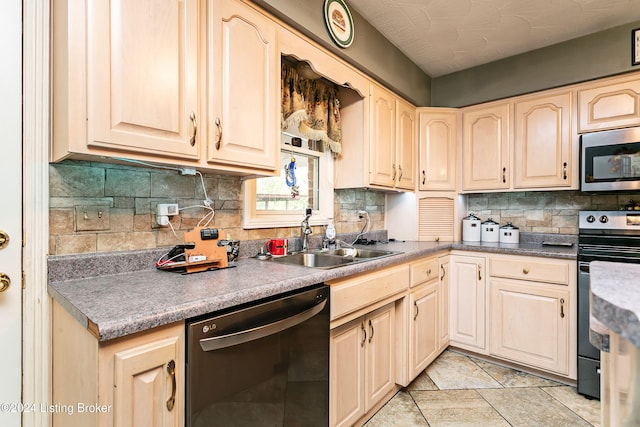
<point>544,211</point>
<point>126,198</point>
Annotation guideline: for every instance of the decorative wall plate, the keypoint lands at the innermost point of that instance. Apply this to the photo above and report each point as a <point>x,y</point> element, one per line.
<point>339,22</point>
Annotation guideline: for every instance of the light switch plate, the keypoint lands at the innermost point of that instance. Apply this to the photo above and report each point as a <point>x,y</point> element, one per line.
<point>92,218</point>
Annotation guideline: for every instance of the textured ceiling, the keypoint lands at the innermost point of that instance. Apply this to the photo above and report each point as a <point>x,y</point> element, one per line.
<point>444,36</point>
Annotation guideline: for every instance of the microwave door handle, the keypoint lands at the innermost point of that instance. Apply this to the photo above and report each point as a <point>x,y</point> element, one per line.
<point>229,340</point>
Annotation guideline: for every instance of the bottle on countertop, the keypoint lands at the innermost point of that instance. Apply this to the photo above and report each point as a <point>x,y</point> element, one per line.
<point>331,234</point>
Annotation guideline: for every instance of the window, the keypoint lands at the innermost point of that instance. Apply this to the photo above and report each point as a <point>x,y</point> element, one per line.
<point>275,202</point>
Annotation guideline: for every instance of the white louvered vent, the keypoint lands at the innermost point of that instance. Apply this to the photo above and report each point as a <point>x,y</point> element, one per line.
<point>436,219</point>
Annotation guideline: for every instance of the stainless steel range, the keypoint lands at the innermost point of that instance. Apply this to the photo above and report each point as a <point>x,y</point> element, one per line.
<point>603,236</point>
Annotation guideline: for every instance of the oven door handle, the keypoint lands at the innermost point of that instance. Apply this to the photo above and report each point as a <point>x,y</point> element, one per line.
<point>583,267</point>
<point>229,340</point>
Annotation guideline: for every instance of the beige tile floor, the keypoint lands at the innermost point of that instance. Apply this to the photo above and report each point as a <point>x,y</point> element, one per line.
<point>459,390</point>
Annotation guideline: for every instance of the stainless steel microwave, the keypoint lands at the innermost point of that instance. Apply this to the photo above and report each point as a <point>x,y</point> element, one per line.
<point>610,160</point>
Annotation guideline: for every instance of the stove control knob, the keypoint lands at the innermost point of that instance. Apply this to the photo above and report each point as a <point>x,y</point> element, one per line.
<point>604,219</point>
<point>591,219</point>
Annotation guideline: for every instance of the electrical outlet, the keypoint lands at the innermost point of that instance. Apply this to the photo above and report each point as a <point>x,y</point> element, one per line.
<point>92,218</point>
<point>167,209</point>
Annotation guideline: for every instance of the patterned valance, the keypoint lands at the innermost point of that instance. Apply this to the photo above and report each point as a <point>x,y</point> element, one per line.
<point>312,106</point>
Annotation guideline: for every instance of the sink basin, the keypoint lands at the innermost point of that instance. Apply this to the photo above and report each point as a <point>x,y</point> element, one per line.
<point>314,260</point>
<point>359,253</point>
<point>332,258</point>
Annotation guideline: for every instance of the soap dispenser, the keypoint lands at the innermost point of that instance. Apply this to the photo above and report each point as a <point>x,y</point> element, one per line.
<point>331,234</point>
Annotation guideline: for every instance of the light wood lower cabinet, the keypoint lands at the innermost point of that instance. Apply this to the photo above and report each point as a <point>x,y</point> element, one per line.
<point>443,303</point>
<point>423,327</point>
<point>132,381</point>
<point>533,312</point>
<point>530,324</point>
<point>362,365</point>
<point>467,302</point>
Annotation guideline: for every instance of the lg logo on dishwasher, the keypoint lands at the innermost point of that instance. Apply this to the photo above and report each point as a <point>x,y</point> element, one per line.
<point>207,328</point>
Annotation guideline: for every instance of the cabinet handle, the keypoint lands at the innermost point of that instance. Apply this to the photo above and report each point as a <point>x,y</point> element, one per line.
<point>428,272</point>
<point>393,173</point>
<point>171,369</point>
<point>371,327</point>
<point>192,140</point>
<point>443,272</point>
<point>562,308</point>
<point>364,335</point>
<point>504,175</point>
<point>400,169</point>
<point>424,177</point>
<point>479,272</point>
<point>525,270</point>
<point>415,304</point>
<point>219,126</point>
<point>564,170</point>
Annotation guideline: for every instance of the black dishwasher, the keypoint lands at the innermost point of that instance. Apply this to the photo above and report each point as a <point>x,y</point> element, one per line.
<point>262,364</point>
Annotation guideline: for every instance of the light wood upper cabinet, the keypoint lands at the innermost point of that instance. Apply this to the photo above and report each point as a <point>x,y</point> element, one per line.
<point>486,147</point>
<point>543,141</point>
<point>383,137</point>
<point>393,141</point>
<point>243,86</point>
<point>609,103</point>
<point>125,79</point>
<point>406,148</point>
<point>438,142</point>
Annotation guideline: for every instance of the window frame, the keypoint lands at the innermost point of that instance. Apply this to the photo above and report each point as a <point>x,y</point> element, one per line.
<point>253,218</point>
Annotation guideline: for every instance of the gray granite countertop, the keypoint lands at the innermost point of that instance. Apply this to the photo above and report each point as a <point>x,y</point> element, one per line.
<point>117,294</point>
<point>615,297</point>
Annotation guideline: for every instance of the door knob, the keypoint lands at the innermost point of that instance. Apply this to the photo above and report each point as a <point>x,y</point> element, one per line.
<point>5,281</point>
<point>4,239</point>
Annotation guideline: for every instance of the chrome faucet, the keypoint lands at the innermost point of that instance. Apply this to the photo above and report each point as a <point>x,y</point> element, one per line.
<point>306,230</point>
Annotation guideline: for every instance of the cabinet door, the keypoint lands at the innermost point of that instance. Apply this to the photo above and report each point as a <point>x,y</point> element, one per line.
<point>244,76</point>
<point>148,384</point>
<point>380,354</point>
<point>443,304</point>
<point>467,301</point>
<point>611,104</point>
<point>142,77</point>
<point>543,141</point>
<point>530,324</point>
<point>383,169</point>
<point>438,138</point>
<point>423,328</point>
<point>406,146</point>
<point>485,147</point>
<point>346,373</point>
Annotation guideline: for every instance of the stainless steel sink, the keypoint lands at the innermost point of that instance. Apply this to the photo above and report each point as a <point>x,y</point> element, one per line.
<point>326,259</point>
<point>359,253</point>
<point>314,260</point>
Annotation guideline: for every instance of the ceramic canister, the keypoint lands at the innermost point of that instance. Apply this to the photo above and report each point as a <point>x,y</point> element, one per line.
<point>471,228</point>
<point>490,231</point>
<point>509,233</point>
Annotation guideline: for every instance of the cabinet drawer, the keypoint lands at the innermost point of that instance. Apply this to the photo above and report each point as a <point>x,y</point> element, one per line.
<point>424,271</point>
<point>349,295</point>
<point>537,270</point>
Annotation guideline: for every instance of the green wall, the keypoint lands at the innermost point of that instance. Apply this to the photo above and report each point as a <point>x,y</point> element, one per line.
<point>586,58</point>
<point>370,51</point>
